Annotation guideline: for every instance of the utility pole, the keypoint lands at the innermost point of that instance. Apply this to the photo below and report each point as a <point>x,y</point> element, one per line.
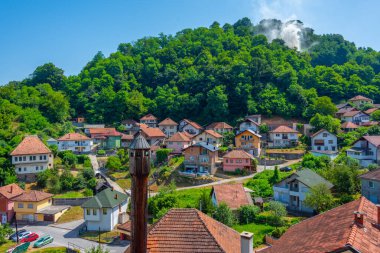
<point>17,239</point>
<point>139,168</point>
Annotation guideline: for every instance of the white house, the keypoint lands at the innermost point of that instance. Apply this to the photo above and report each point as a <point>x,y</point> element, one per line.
<point>168,126</point>
<point>365,150</point>
<point>249,124</point>
<point>292,190</point>
<point>356,117</point>
<point>131,126</point>
<point>30,157</point>
<point>324,143</point>
<point>75,142</point>
<point>209,136</point>
<point>189,126</point>
<point>282,137</point>
<point>220,127</point>
<point>105,210</point>
<point>360,100</point>
<point>149,120</point>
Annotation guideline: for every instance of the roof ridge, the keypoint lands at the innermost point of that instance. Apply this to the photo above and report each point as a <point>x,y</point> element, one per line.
<point>354,228</point>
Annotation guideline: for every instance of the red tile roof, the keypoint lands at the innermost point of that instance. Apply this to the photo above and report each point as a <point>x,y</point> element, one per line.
<point>126,136</point>
<point>375,140</point>
<point>213,133</point>
<point>371,175</point>
<point>95,132</point>
<point>189,231</point>
<point>180,137</point>
<point>74,137</point>
<point>349,125</point>
<point>193,124</point>
<point>11,190</point>
<point>332,230</point>
<point>33,196</point>
<point>31,145</point>
<point>371,110</point>
<point>238,153</point>
<point>350,113</point>
<point>219,125</point>
<point>233,195</point>
<point>149,117</point>
<point>152,132</point>
<point>359,97</point>
<point>168,122</point>
<point>283,129</point>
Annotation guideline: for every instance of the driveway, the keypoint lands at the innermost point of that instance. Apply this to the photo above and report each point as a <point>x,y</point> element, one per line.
<point>68,233</point>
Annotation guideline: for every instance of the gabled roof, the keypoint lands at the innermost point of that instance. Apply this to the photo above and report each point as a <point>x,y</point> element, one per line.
<point>188,231</point>
<point>32,196</point>
<point>352,113</point>
<point>11,190</point>
<point>74,137</point>
<point>339,106</point>
<point>375,140</point>
<point>149,116</point>
<point>251,121</point>
<point>283,129</point>
<point>139,142</point>
<point>129,121</point>
<point>349,125</point>
<point>333,230</point>
<point>233,195</point>
<point>344,110</point>
<point>168,122</point>
<point>104,132</point>
<point>31,145</point>
<point>308,178</point>
<point>127,137</point>
<point>318,132</point>
<point>204,145</point>
<point>107,198</point>
<point>219,125</point>
<point>250,131</point>
<point>359,97</point>
<point>238,153</point>
<point>371,110</point>
<point>151,132</point>
<point>210,132</point>
<point>192,123</point>
<point>371,175</point>
<point>179,137</point>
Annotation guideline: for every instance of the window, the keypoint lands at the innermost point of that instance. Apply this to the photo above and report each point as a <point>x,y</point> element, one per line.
<point>170,143</point>
<point>19,169</point>
<point>36,167</point>
<point>24,169</point>
<point>41,157</point>
<point>277,135</point>
<point>94,211</point>
<point>30,158</point>
<point>331,141</point>
<point>30,206</point>
<point>16,158</point>
<point>20,205</point>
<point>88,211</point>
<point>324,135</point>
<point>371,184</point>
<point>23,158</point>
<point>226,160</point>
<point>104,211</point>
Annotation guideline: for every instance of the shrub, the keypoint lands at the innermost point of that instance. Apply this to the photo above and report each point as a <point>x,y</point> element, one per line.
<point>224,215</point>
<point>248,213</point>
<point>162,154</point>
<point>277,208</point>
<point>113,163</point>
<point>88,192</point>
<point>101,152</point>
<point>42,178</point>
<point>278,232</point>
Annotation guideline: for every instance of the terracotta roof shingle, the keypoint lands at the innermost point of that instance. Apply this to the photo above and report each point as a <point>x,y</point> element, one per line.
<point>375,140</point>
<point>149,117</point>
<point>32,196</point>
<point>213,133</point>
<point>193,124</point>
<point>74,137</point>
<point>180,137</point>
<point>152,132</point>
<point>238,153</point>
<point>233,195</point>
<point>349,125</point>
<point>104,132</point>
<point>359,97</point>
<point>284,129</point>
<point>11,190</point>
<point>219,125</point>
<point>168,122</point>
<point>371,175</point>
<point>371,110</point>
<point>31,145</point>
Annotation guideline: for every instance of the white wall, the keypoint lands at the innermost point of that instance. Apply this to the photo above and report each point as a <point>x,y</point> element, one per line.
<point>32,163</point>
<point>330,142</point>
<point>73,145</point>
<point>168,130</point>
<point>190,129</point>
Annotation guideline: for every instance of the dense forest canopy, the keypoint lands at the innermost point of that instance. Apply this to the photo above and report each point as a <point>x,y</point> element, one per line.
<point>205,74</point>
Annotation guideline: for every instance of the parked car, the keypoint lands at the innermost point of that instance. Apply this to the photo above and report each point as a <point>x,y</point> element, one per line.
<point>22,235</point>
<point>13,236</point>
<point>286,169</point>
<point>44,240</point>
<point>19,248</point>
<point>30,238</point>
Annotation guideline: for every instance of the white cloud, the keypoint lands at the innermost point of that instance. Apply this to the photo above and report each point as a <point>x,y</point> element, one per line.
<point>279,9</point>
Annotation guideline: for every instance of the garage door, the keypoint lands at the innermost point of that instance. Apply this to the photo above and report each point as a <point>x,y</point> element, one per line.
<point>49,217</point>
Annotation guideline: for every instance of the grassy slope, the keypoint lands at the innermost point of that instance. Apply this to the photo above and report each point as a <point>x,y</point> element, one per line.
<point>75,213</point>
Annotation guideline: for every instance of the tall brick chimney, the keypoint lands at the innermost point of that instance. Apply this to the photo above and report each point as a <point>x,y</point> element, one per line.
<point>359,218</point>
<point>139,167</point>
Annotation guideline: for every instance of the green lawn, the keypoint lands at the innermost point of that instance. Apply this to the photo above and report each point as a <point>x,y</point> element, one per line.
<point>73,214</point>
<point>105,237</point>
<point>70,194</point>
<point>50,250</point>
<point>119,175</point>
<point>5,246</point>
<point>259,231</point>
<point>190,197</point>
<point>124,183</point>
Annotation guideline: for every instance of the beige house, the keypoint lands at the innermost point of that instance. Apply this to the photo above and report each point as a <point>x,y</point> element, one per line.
<point>209,136</point>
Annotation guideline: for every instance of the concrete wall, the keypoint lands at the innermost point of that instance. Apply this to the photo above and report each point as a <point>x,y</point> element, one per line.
<point>70,201</point>
<point>330,142</point>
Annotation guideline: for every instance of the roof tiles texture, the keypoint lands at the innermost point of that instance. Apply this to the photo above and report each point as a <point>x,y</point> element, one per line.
<point>238,153</point>
<point>333,230</point>
<point>219,125</point>
<point>149,117</point>
<point>213,133</point>
<point>180,137</point>
<point>371,175</point>
<point>284,129</point>
<point>233,195</point>
<point>168,122</point>
<point>349,125</point>
<point>104,132</point>
<point>359,97</point>
<point>152,132</point>
<point>32,196</point>
<point>188,231</point>
<point>375,140</point>
<point>31,145</point>
<point>74,137</point>
<point>11,190</point>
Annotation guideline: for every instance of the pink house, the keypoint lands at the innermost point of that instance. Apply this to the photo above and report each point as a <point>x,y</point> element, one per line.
<point>178,142</point>
<point>6,204</point>
<point>237,159</point>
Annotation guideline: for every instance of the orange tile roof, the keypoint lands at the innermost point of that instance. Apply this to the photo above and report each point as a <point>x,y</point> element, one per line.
<point>193,124</point>
<point>104,132</point>
<point>179,137</point>
<point>126,136</point>
<point>151,132</point>
<point>31,145</point>
<point>231,194</point>
<point>213,133</point>
<point>148,117</point>
<point>333,230</point>
<point>238,153</point>
<point>168,122</point>
<point>11,190</point>
<point>349,125</point>
<point>371,110</point>
<point>359,97</point>
<point>188,231</point>
<point>283,129</point>
<point>351,113</point>
<point>371,175</point>
<point>219,125</point>
<point>32,196</point>
<point>318,132</point>
<point>375,140</point>
<point>74,137</point>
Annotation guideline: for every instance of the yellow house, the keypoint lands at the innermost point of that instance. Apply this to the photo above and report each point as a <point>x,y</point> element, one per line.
<point>249,141</point>
<point>37,206</point>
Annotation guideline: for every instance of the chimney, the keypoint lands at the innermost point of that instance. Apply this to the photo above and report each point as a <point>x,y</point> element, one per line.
<point>116,196</point>
<point>378,215</point>
<point>11,189</point>
<point>359,218</point>
<point>246,241</point>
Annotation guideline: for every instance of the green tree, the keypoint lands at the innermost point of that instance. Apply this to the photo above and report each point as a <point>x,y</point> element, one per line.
<point>205,203</point>
<point>5,231</point>
<point>319,198</point>
<point>276,177</point>
<point>217,104</point>
<point>248,213</point>
<point>325,122</point>
<point>162,154</point>
<point>113,163</point>
<point>224,215</point>
<point>376,115</point>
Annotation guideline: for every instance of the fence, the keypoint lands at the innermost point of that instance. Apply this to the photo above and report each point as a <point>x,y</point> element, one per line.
<point>69,201</point>
<point>73,248</point>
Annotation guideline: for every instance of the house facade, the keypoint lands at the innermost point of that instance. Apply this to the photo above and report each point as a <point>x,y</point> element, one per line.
<point>237,159</point>
<point>168,126</point>
<point>30,157</point>
<point>87,127</point>
<point>370,185</point>
<point>154,136</point>
<point>105,210</point>
<point>360,100</point>
<point>106,138</point>
<point>365,150</point>
<point>149,120</point>
<point>249,124</point>
<point>249,141</point>
<point>324,143</point>
<point>178,142</point>
<point>356,117</point>
<point>75,142</point>
<point>201,158</point>
<point>8,192</point>
<point>283,137</point>
<point>209,136</point>
<point>292,190</point>
<point>220,127</point>
<point>189,126</point>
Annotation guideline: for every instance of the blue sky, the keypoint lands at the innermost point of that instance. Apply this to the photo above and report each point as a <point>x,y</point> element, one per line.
<point>70,32</point>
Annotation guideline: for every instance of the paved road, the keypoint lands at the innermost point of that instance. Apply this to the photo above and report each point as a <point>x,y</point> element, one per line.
<point>65,233</point>
<point>260,168</point>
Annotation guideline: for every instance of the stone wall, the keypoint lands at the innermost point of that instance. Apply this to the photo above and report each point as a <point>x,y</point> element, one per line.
<point>70,201</point>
